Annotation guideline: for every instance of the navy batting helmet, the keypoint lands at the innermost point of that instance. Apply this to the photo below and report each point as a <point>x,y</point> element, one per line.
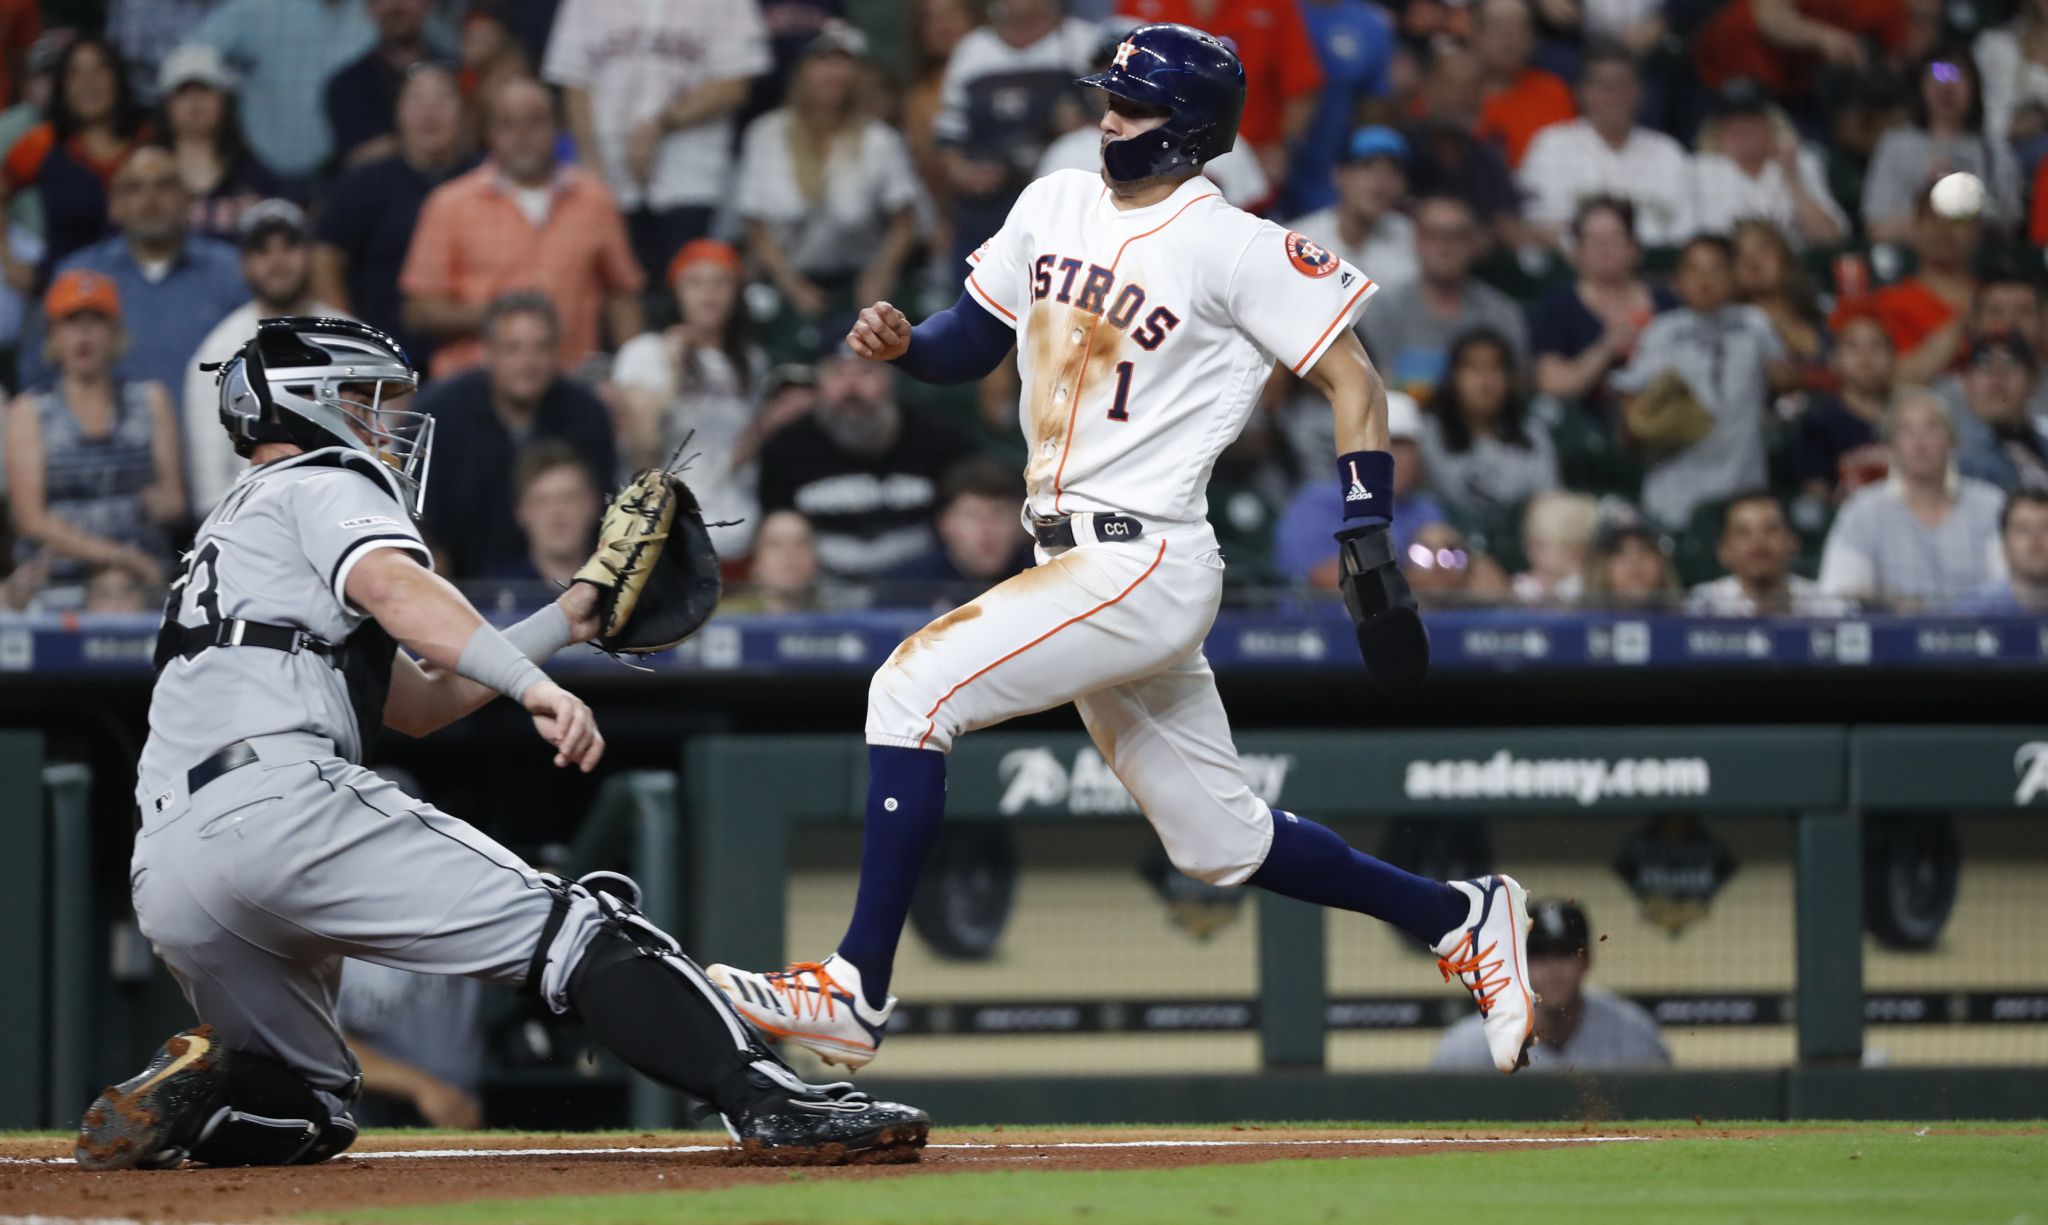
<point>1195,77</point>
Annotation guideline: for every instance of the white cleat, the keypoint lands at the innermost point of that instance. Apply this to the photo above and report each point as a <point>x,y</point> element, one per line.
<point>1489,953</point>
<point>817,1005</point>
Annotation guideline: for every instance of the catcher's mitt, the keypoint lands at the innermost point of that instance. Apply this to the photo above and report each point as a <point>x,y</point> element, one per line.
<point>654,566</point>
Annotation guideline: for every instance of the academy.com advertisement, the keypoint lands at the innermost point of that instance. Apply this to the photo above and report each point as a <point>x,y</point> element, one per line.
<point>1586,780</point>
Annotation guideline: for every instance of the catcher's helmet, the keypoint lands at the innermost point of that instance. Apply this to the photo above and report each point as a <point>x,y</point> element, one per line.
<point>1195,77</point>
<point>323,383</point>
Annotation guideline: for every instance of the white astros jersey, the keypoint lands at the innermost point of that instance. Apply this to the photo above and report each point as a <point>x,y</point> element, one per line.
<point>1144,336</point>
<point>277,550</point>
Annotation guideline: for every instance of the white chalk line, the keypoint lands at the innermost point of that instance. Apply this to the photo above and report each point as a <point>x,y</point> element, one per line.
<point>1024,1148</point>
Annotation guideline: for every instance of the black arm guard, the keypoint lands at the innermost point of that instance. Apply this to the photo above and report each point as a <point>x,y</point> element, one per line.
<point>1390,634</point>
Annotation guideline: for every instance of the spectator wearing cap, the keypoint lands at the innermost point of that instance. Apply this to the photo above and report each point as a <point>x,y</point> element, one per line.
<point>698,385</point>
<point>651,90</point>
<point>1523,98</point>
<point>371,212</point>
<point>1629,566</point>
<point>1579,1026</point>
<point>284,52</point>
<point>1446,159</point>
<point>1365,226</point>
<point>483,418</point>
<point>980,542</point>
<point>1237,174</point>
<point>997,103</point>
<point>2007,300</point>
<point>1752,165</point>
<point>1756,549</point>
<point>1354,42</point>
<point>69,162</point>
<point>2023,538</point>
<point>1302,548</point>
<point>361,102</point>
<point>1925,314</point>
<point>863,467</point>
<point>1410,328</point>
<point>144,31</point>
<point>198,124</point>
<point>1927,535</point>
<point>92,459</point>
<point>826,190</point>
<point>519,222</point>
<point>1706,372</point>
<point>1283,77</point>
<point>1484,454</point>
<point>1586,329</point>
<point>1997,440</point>
<point>1946,134</point>
<point>277,266</point>
<point>1608,153</point>
<point>1837,450</point>
<point>181,283</point>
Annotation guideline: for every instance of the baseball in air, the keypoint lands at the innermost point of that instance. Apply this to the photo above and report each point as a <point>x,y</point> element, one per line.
<point>1958,196</point>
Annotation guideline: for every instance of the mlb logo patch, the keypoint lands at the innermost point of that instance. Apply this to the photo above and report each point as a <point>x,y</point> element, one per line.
<point>1308,258</point>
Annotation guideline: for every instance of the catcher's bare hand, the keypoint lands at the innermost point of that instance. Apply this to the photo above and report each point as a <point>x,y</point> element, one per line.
<point>881,334</point>
<point>580,604</point>
<point>565,722</point>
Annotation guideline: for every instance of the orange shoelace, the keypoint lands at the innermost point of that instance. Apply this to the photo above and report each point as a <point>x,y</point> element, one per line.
<point>1488,977</point>
<point>803,1000</point>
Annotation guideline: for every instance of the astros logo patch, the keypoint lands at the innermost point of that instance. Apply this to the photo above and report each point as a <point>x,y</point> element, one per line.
<point>1308,258</point>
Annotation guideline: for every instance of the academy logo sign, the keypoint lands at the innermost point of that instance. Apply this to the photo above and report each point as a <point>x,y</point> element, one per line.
<point>1586,780</point>
<point>1036,779</point>
<point>2031,765</point>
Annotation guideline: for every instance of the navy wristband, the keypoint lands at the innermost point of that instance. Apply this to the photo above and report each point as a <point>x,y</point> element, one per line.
<point>1368,481</point>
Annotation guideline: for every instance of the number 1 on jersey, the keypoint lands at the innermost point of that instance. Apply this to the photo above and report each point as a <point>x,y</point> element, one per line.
<point>1121,410</point>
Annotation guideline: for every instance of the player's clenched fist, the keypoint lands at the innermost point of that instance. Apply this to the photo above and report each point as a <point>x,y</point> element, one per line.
<point>881,334</point>
<point>565,722</point>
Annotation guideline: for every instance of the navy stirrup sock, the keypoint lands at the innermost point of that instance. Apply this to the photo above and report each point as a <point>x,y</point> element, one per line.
<point>1312,864</point>
<point>906,803</point>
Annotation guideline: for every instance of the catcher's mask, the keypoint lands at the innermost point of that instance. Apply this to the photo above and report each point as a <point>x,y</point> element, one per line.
<point>328,383</point>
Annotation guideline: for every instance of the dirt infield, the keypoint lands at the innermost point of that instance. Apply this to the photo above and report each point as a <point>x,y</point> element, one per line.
<point>38,1180</point>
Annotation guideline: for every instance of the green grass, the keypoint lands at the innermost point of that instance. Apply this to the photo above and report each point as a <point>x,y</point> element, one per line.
<point>1864,1177</point>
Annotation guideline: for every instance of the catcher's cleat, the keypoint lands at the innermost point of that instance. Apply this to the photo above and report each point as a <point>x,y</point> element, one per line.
<point>827,1125</point>
<point>1489,953</point>
<point>151,1120</point>
<point>816,1005</point>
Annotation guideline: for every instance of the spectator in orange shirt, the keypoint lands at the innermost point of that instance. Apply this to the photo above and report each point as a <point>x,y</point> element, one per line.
<point>1282,75</point>
<point>1781,44</point>
<point>520,222</point>
<point>1924,314</point>
<point>1521,97</point>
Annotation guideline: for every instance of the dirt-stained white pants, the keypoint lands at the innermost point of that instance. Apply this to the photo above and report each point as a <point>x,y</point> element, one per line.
<point>1117,629</point>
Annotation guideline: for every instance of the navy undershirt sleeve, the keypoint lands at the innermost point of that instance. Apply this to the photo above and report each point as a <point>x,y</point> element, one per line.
<point>960,344</point>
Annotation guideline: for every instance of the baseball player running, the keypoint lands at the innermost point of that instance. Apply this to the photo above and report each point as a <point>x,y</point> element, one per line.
<point>268,853</point>
<point>1147,315</point>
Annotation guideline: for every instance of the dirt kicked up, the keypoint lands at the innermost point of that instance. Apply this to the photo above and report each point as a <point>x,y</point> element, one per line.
<point>37,1179</point>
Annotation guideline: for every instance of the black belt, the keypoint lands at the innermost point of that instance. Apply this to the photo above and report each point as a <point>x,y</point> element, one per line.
<point>233,632</point>
<point>1059,533</point>
<point>233,757</point>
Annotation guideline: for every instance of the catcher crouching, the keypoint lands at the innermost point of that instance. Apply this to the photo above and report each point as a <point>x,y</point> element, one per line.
<point>267,852</point>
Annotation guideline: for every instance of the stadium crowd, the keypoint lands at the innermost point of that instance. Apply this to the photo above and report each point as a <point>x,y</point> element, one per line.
<point>1670,312</point>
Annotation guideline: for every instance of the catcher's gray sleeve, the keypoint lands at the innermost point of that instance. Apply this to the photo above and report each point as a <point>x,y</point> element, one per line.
<point>343,517</point>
